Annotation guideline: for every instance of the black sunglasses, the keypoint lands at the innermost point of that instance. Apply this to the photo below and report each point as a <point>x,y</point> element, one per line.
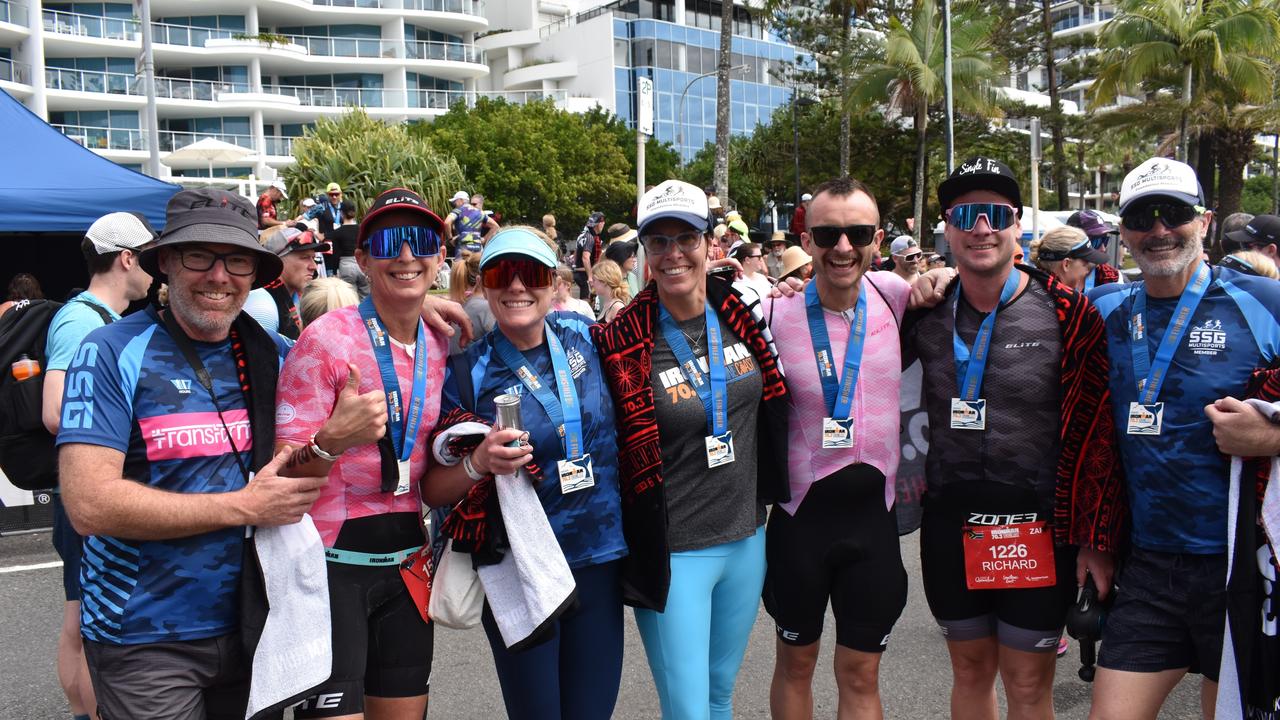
<point>828,236</point>
<point>1172,215</point>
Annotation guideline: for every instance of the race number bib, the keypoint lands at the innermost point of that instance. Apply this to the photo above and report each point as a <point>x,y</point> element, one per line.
<point>1015,556</point>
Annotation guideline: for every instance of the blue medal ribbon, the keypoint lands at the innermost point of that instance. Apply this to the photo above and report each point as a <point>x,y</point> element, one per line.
<point>714,394</point>
<point>837,393</point>
<point>562,406</point>
<point>404,435</point>
<point>1150,377</point>
<point>971,366</point>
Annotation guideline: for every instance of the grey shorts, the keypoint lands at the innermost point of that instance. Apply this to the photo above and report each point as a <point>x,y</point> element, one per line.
<point>190,680</point>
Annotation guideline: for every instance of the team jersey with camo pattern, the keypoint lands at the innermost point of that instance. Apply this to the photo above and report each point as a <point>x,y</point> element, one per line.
<point>876,401</point>
<point>1178,479</point>
<point>129,388</point>
<point>309,385</point>
<point>1021,387</point>
<point>587,523</point>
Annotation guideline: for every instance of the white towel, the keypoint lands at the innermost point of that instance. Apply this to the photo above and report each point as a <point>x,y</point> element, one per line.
<point>532,585</point>
<point>1229,700</point>
<point>295,652</point>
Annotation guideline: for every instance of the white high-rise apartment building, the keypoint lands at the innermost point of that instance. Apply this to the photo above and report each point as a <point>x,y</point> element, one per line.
<point>253,73</point>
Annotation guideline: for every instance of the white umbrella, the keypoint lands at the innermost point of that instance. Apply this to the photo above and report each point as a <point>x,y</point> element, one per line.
<point>208,150</point>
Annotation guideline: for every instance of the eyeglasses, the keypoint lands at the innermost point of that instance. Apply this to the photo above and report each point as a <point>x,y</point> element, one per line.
<point>533,274</point>
<point>661,244</point>
<point>385,244</point>
<point>335,194</point>
<point>828,236</point>
<point>238,264</point>
<point>912,257</point>
<point>1144,218</point>
<point>757,256</point>
<point>964,217</point>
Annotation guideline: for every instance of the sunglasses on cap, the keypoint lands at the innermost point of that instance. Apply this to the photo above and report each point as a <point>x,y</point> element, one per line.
<point>964,217</point>
<point>533,274</point>
<point>1172,215</point>
<point>385,244</point>
<point>661,244</point>
<point>828,236</point>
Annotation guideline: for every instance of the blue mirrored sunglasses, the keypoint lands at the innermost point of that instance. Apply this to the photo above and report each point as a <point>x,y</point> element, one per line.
<point>385,244</point>
<point>999,216</point>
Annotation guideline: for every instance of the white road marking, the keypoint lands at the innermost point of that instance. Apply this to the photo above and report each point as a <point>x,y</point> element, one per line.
<point>37,566</point>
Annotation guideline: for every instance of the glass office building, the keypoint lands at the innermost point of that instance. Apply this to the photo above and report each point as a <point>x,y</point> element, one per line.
<point>681,60</point>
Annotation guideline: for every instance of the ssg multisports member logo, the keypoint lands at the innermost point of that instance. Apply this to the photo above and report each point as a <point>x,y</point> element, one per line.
<point>1207,339</point>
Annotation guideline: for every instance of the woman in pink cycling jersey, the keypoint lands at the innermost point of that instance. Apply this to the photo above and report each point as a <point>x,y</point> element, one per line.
<point>378,370</point>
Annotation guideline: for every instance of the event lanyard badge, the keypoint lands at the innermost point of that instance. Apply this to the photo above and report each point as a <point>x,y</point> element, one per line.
<point>402,425</point>
<point>837,427</point>
<point>1012,556</point>
<point>562,407</point>
<point>713,389</point>
<point>969,411</point>
<point>1146,416</point>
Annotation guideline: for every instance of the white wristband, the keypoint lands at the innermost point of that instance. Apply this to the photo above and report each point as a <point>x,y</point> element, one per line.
<point>471,469</point>
<point>315,450</point>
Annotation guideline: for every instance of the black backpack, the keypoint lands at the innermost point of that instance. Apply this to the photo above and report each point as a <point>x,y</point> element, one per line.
<point>27,452</point>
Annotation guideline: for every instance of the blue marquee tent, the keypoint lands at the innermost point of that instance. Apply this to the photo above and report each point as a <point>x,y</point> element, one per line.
<point>52,184</point>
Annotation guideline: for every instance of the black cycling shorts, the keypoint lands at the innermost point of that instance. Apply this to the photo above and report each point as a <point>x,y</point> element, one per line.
<point>842,546</point>
<point>1169,613</point>
<point>381,645</point>
<point>1029,619</point>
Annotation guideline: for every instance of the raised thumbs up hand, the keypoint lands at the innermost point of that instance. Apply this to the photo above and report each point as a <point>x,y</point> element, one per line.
<point>356,419</point>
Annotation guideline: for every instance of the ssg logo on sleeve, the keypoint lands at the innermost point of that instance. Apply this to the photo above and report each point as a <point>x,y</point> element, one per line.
<point>1207,338</point>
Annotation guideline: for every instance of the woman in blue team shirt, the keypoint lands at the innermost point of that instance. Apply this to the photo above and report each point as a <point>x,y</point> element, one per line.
<point>576,673</point>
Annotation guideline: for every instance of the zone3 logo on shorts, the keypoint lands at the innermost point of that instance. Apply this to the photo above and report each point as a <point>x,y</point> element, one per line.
<point>1207,339</point>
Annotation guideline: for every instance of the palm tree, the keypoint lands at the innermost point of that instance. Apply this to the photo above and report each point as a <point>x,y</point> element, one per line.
<point>1210,43</point>
<point>906,73</point>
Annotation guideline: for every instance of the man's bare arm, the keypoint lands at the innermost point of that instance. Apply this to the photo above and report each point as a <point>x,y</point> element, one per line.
<point>100,501</point>
<point>51,401</point>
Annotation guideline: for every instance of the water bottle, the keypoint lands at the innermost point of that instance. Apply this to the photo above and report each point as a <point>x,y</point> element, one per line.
<point>24,368</point>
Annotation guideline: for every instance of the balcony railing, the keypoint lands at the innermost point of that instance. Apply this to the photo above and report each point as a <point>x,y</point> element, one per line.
<point>189,35</point>
<point>92,81</point>
<point>277,145</point>
<point>100,138</point>
<point>445,99</point>
<point>13,12</point>
<point>466,7</point>
<point>14,71</point>
<point>373,4</point>
<point>68,23</point>
<point>432,50</point>
<point>344,47</point>
<point>329,96</point>
<point>187,89</point>
<point>172,140</point>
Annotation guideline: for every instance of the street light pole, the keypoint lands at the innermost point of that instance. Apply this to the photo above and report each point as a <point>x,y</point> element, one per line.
<point>680,109</point>
<point>797,101</point>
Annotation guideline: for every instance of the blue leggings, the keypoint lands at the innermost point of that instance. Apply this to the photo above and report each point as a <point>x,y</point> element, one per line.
<point>696,646</point>
<point>576,672</point>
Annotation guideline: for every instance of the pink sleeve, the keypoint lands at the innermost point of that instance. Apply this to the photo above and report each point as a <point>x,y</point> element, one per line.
<point>313,373</point>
